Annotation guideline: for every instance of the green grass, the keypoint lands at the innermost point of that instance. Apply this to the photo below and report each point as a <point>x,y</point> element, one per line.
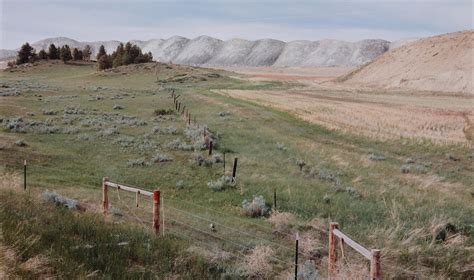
<point>81,245</point>
<point>395,212</point>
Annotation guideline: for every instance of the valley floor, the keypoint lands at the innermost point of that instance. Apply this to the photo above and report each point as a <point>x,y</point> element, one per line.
<point>395,170</point>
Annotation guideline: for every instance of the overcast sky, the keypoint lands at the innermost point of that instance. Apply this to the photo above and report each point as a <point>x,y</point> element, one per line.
<point>91,20</point>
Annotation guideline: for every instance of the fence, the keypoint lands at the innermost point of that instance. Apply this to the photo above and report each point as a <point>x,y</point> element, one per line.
<point>335,235</point>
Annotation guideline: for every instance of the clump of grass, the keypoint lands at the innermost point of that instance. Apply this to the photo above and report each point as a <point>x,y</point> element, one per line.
<point>163,112</point>
<point>137,163</point>
<point>221,184</point>
<point>258,265</point>
<point>414,168</point>
<point>282,222</point>
<point>255,208</point>
<point>180,185</point>
<point>162,158</point>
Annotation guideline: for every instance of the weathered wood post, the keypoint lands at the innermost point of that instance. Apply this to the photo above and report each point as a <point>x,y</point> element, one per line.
<point>274,199</point>
<point>137,197</point>
<point>210,148</point>
<point>179,106</point>
<point>296,256</point>
<point>24,174</point>
<point>224,163</point>
<point>156,211</point>
<point>375,265</point>
<point>234,170</point>
<point>332,267</point>
<point>189,119</point>
<point>105,195</point>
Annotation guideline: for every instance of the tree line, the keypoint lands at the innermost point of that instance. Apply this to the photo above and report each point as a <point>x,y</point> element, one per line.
<point>123,55</point>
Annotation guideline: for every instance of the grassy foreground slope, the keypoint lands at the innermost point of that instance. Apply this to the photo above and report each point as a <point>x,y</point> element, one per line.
<point>413,201</point>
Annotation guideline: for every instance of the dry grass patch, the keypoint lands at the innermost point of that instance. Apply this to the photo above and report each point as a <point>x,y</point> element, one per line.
<point>257,265</point>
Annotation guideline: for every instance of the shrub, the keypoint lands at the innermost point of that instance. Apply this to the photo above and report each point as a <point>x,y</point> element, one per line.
<point>118,107</point>
<point>256,208</point>
<point>49,112</point>
<point>70,130</point>
<point>281,146</point>
<point>73,111</point>
<point>301,163</point>
<point>163,112</point>
<point>221,183</point>
<point>161,158</point>
<point>223,114</point>
<point>59,200</point>
<point>21,143</point>
<point>137,163</point>
<point>165,130</point>
<point>107,132</point>
<point>180,184</point>
<point>282,222</point>
<point>86,137</point>
<point>178,145</point>
<point>375,157</point>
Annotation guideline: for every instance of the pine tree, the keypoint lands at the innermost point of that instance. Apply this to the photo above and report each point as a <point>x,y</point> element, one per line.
<point>75,54</point>
<point>24,54</point>
<point>104,62</point>
<point>80,55</point>
<point>42,54</point>
<point>53,52</point>
<point>101,52</point>
<point>117,56</point>
<point>65,53</point>
<point>86,53</point>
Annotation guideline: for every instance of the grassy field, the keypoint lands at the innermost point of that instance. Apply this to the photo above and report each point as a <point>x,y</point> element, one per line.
<point>411,199</point>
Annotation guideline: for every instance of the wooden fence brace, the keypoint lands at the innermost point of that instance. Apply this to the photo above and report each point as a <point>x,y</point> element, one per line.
<point>332,266</point>
<point>296,256</point>
<point>375,265</point>
<point>189,119</point>
<point>234,170</point>
<point>210,148</point>
<point>156,211</point>
<point>24,174</point>
<point>105,195</point>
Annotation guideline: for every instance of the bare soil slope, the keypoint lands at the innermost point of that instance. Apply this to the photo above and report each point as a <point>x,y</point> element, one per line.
<point>440,63</point>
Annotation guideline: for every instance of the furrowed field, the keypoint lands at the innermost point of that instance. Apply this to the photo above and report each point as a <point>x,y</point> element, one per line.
<point>412,199</point>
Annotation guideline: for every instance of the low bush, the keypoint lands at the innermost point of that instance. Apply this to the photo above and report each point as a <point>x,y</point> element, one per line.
<point>162,158</point>
<point>255,208</point>
<point>163,112</point>
<point>221,184</point>
<point>137,163</point>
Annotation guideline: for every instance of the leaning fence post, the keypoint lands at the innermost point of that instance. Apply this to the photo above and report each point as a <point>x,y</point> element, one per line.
<point>234,170</point>
<point>105,195</point>
<point>375,265</point>
<point>156,211</point>
<point>24,174</point>
<point>332,250</point>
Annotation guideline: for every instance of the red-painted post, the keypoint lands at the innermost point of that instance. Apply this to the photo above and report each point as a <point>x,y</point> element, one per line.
<point>156,211</point>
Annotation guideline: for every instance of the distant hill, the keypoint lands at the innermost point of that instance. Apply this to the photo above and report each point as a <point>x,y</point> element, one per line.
<point>439,63</point>
<point>205,50</point>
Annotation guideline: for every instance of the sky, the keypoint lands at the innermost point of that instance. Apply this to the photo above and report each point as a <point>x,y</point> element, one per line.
<point>350,20</point>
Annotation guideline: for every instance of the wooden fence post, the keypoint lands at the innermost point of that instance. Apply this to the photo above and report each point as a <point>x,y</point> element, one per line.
<point>105,195</point>
<point>375,265</point>
<point>24,174</point>
<point>296,256</point>
<point>210,148</point>
<point>234,170</point>
<point>189,119</point>
<point>332,267</point>
<point>156,211</point>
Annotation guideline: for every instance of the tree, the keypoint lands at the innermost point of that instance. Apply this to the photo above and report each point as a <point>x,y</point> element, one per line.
<point>101,52</point>
<point>80,55</point>
<point>53,52</point>
<point>65,53</point>
<point>117,56</point>
<point>76,55</point>
<point>127,59</point>
<point>104,62</point>
<point>24,54</point>
<point>42,54</point>
<point>86,53</point>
